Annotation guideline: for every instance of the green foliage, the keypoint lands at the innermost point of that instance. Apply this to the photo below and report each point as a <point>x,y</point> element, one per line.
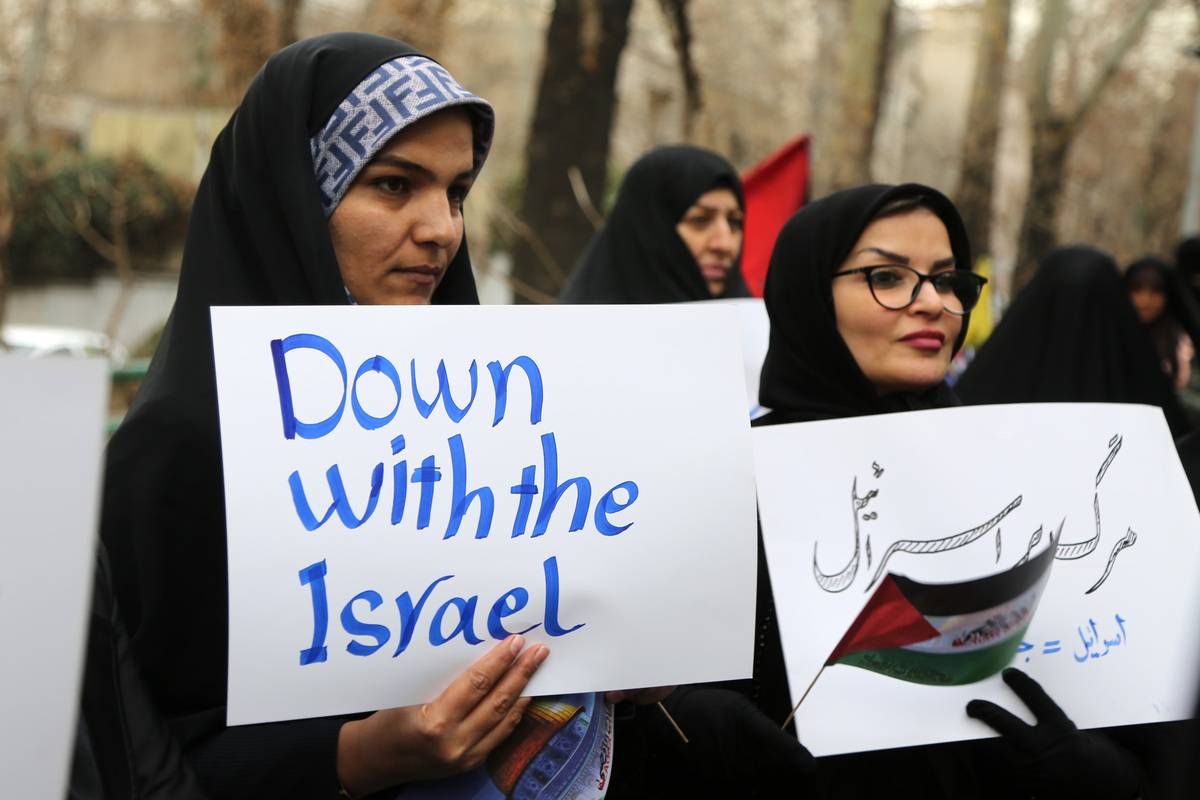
<point>66,203</point>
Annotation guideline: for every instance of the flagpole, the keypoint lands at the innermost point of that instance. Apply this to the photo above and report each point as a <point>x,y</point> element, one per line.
<point>806,691</point>
<point>674,724</point>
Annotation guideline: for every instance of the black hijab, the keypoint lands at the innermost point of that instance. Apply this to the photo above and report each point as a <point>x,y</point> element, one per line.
<point>638,257</point>
<point>1187,260</point>
<point>809,372</point>
<point>257,236</point>
<point>1180,314</point>
<point>1071,336</point>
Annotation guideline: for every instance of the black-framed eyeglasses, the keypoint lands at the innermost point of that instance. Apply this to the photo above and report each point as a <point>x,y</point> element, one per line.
<point>895,286</point>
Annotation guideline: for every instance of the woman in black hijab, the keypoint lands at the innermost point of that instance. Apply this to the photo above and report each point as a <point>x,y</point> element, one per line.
<point>340,178</point>
<point>674,234</point>
<point>855,331</point>
<point>1071,336</point>
<point>1167,312</point>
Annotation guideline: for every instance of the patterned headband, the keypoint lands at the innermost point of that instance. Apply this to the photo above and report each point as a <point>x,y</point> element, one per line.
<point>391,98</point>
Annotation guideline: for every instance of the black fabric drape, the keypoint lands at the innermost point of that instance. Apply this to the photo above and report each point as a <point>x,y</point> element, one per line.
<point>637,256</point>
<point>1071,335</point>
<point>257,236</point>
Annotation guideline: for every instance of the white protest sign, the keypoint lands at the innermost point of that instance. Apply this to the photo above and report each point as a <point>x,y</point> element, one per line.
<point>51,435</point>
<point>956,494</point>
<point>406,485</point>
<point>756,337</point>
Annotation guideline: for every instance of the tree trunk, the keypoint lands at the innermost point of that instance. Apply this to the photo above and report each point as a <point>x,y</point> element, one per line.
<point>288,27</point>
<point>676,12</point>
<point>246,39</point>
<point>974,195</point>
<point>1051,144</point>
<point>421,23</point>
<point>7,218</point>
<point>1054,131</point>
<point>847,151</point>
<point>25,129</point>
<point>572,121</point>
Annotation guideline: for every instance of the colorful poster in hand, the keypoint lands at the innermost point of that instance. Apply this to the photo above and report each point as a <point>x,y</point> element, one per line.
<point>561,750</point>
<point>52,414</point>
<point>906,574</point>
<point>406,485</point>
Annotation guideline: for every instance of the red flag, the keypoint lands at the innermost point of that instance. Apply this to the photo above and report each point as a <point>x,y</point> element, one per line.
<point>775,188</point>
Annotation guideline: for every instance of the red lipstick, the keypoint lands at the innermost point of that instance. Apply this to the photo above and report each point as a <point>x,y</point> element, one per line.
<point>926,339</point>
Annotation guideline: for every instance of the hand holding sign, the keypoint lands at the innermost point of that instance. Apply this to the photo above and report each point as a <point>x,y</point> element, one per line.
<point>452,734</point>
<point>1056,758</point>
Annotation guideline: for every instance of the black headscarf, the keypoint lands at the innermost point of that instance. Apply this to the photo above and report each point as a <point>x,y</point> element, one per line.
<point>1071,335</point>
<point>638,257</point>
<point>809,372</point>
<point>1187,260</point>
<point>257,236</point>
<point>1180,315</point>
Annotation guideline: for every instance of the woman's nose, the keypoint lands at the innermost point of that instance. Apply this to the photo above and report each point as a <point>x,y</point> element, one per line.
<point>436,223</point>
<point>927,301</point>
<point>723,238</point>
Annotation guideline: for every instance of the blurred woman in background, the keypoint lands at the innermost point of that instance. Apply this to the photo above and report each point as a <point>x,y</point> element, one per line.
<point>674,234</point>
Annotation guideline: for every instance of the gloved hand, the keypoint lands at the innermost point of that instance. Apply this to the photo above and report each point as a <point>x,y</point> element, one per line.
<point>730,742</point>
<point>1056,758</point>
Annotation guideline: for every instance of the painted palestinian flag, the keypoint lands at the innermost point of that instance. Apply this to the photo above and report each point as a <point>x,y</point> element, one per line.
<point>945,634</point>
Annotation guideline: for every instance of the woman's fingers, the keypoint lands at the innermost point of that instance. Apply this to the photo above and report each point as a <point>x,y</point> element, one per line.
<point>494,710</point>
<point>467,690</point>
<point>1035,697</point>
<point>1001,721</point>
<point>499,732</point>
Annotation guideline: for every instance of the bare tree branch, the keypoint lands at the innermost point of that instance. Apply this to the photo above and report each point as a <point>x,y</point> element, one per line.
<point>1050,30</point>
<point>519,227</point>
<point>579,188</point>
<point>1128,39</point>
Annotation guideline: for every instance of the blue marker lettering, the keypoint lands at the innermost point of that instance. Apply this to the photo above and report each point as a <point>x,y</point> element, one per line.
<point>452,410</point>
<point>460,498</point>
<point>354,627</point>
<point>291,425</point>
<point>550,568</point>
<point>399,482</point>
<point>609,505</point>
<point>427,475</point>
<point>339,503</point>
<point>383,367</point>
<point>465,626</point>
<point>409,614</point>
<point>313,576</point>
<point>555,490</point>
<point>500,385</point>
<point>501,609</point>
<point>526,489</point>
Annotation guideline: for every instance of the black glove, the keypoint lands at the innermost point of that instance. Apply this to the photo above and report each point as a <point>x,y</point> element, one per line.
<point>730,742</point>
<point>1054,757</point>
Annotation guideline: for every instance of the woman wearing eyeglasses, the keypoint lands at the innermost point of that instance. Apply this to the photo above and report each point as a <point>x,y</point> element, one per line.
<point>869,293</point>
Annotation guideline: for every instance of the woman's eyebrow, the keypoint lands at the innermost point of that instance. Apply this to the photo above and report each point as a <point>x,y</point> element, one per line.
<point>896,257</point>
<point>398,162</point>
<point>944,262</point>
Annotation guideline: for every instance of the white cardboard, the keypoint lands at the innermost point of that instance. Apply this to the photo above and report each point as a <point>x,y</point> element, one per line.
<point>630,394</point>
<point>947,471</point>
<point>756,337</point>
<point>51,434</point>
